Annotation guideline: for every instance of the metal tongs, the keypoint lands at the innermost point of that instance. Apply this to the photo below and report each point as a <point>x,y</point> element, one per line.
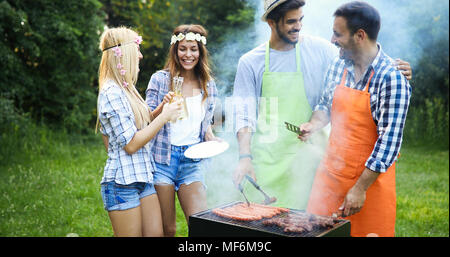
<point>295,129</point>
<point>242,192</point>
<point>268,199</point>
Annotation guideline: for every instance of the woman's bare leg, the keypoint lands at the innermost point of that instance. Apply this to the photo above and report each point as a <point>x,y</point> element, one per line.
<point>166,196</point>
<point>152,225</point>
<point>192,198</point>
<point>127,223</point>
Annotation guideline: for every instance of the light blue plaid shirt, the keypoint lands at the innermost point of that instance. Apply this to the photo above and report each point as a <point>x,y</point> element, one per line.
<point>158,87</point>
<point>390,93</point>
<point>117,122</point>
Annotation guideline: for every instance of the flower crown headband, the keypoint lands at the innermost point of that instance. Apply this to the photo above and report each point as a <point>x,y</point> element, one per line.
<point>118,54</point>
<point>190,36</point>
<point>138,40</point>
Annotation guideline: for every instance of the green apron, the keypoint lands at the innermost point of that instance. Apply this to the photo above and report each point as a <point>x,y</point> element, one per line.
<point>284,165</point>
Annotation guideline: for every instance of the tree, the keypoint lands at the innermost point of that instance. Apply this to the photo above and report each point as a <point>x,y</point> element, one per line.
<point>50,59</point>
<point>428,115</point>
<point>49,52</point>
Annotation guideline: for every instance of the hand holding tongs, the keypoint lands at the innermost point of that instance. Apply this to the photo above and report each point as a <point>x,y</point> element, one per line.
<point>268,199</point>
<point>295,129</point>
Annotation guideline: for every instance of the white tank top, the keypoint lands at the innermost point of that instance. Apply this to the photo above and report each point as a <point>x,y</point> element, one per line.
<point>187,131</point>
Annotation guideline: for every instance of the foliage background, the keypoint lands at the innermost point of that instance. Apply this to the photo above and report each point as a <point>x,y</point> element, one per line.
<point>50,56</point>
<point>49,53</point>
<point>49,61</point>
<point>428,115</point>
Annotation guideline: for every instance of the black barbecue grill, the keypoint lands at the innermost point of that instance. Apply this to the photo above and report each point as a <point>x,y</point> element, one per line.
<point>208,224</point>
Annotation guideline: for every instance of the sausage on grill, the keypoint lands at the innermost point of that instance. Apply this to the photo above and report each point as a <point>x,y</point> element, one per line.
<point>236,216</point>
<point>244,212</point>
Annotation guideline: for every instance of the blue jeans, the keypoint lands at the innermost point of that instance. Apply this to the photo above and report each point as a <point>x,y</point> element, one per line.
<point>118,197</point>
<point>182,170</point>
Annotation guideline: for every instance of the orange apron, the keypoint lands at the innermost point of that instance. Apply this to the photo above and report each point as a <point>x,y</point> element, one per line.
<point>352,139</point>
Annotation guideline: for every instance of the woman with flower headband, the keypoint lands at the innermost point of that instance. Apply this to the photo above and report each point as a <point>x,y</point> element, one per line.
<point>127,126</point>
<point>188,59</point>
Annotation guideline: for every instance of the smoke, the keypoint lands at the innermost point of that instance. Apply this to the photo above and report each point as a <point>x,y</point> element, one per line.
<point>402,24</point>
<point>219,169</point>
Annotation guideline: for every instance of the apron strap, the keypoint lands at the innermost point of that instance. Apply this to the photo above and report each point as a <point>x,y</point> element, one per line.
<point>368,82</point>
<point>266,66</point>
<point>267,59</point>
<point>366,88</point>
<point>297,56</point>
<point>344,77</point>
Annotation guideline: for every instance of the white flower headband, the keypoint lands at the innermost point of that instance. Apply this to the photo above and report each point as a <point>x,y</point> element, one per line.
<point>190,36</point>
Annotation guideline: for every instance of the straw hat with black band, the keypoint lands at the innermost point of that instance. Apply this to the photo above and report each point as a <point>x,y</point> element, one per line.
<point>269,5</point>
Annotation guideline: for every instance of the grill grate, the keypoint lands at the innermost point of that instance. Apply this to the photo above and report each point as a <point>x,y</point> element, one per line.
<point>207,223</point>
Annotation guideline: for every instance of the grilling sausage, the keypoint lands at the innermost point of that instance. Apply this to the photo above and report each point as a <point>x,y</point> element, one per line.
<point>236,216</point>
<point>290,222</point>
<point>278,209</point>
<point>246,213</point>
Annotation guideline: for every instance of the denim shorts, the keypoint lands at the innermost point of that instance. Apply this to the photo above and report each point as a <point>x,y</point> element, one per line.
<point>118,197</point>
<point>182,170</point>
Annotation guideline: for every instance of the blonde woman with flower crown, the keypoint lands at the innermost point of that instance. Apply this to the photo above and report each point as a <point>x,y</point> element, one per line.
<point>127,126</point>
<point>188,59</point>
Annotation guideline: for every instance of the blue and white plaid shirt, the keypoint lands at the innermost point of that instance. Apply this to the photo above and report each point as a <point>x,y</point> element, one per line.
<point>390,93</point>
<point>117,122</point>
<point>158,87</point>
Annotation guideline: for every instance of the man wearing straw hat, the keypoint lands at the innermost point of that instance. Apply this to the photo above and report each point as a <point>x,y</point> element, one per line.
<point>281,81</point>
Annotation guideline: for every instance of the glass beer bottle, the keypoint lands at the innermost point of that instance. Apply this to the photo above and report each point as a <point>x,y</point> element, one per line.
<point>177,84</point>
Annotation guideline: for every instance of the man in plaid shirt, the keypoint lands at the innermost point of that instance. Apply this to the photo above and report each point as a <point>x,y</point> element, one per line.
<point>389,100</point>
<point>366,99</point>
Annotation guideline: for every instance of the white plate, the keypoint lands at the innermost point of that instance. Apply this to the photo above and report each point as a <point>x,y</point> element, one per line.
<point>206,149</point>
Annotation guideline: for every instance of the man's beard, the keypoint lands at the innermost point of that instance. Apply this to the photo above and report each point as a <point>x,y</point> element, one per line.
<point>284,36</point>
<point>346,54</point>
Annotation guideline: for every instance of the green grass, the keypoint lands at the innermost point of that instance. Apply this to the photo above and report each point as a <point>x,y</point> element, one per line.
<point>50,187</point>
<point>54,191</point>
<point>422,192</point>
